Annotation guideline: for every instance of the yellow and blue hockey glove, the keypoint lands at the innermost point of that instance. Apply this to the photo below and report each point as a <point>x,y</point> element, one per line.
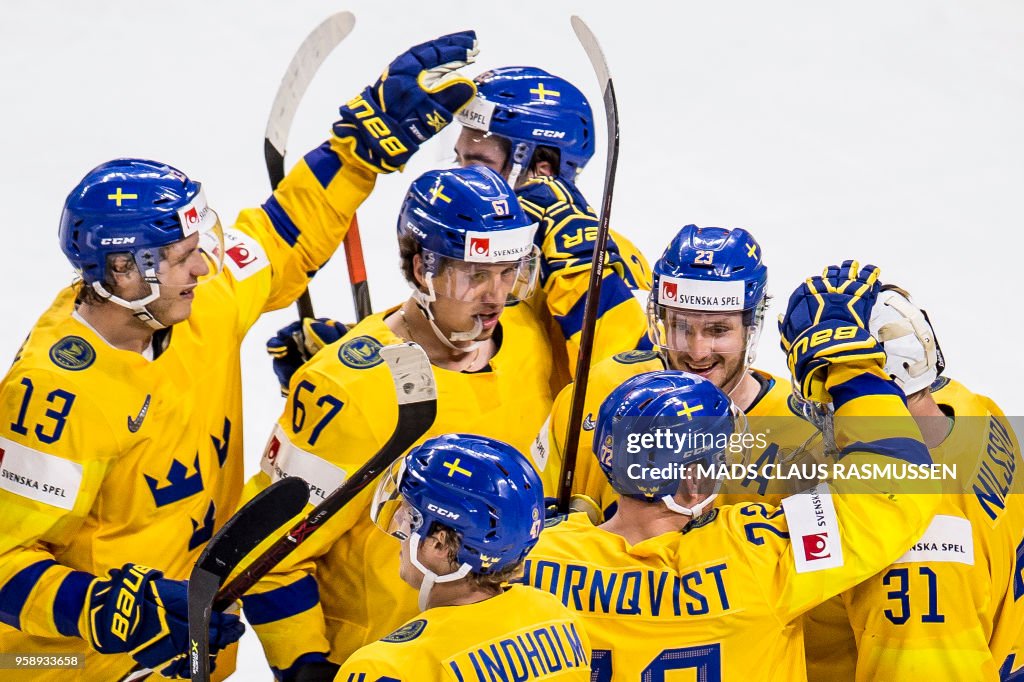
<point>826,323</point>
<point>295,344</point>
<point>136,611</point>
<point>413,100</point>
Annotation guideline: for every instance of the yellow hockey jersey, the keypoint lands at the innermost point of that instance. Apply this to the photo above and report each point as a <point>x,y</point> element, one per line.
<point>721,600</point>
<point>772,414</point>
<point>523,634</point>
<point>566,234</point>
<point>341,588</point>
<point>952,607</point>
<point>107,457</point>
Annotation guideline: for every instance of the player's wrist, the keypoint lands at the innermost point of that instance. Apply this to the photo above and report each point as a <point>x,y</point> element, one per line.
<point>70,612</point>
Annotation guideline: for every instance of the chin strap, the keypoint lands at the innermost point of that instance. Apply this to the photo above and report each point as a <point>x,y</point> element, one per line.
<point>423,300</point>
<point>429,577</point>
<point>695,510</point>
<point>138,306</point>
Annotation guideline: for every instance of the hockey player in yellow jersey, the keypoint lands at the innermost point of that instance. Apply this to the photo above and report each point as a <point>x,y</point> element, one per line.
<point>537,130</point>
<point>704,316</point>
<point>952,607</point>
<point>121,450</point>
<point>668,585</point>
<point>467,250</point>
<point>467,509</point>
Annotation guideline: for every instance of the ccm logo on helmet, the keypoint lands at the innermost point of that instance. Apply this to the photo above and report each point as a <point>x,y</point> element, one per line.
<point>113,241</point>
<point>442,512</point>
<point>556,134</point>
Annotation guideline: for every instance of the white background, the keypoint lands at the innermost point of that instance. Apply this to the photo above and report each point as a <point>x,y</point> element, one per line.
<point>888,132</point>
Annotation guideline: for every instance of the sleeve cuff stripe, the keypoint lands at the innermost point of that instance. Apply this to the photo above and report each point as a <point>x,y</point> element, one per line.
<point>69,602</point>
<point>283,224</point>
<point>16,591</point>
<point>324,164</point>
<point>281,603</point>
<point>907,450</point>
<point>863,385</point>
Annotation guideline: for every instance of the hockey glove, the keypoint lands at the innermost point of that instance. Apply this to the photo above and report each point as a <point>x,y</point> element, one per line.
<point>826,323</point>
<point>413,100</point>
<point>138,612</point>
<point>295,344</point>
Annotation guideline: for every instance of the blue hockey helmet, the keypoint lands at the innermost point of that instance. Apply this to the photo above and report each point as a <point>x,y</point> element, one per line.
<point>531,107</point>
<point>475,239</point>
<point>134,207</point>
<point>654,425</point>
<point>707,271</point>
<point>483,489</point>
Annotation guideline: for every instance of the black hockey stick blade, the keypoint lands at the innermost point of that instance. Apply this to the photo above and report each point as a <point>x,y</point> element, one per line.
<point>417,408</point>
<point>243,532</point>
<point>580,381</point>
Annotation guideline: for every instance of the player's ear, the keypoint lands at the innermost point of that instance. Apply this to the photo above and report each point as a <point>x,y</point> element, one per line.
<point>419,271</point>
<point>543,169</point>
<point>121,270</point>
<point>438,546</point>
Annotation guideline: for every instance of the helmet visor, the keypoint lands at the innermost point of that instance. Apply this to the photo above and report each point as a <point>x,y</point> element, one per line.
<point>697,333</point>
<point>196,258</point>
<point>185,264</point>
<point>504,282</point>
<point>389,511</point>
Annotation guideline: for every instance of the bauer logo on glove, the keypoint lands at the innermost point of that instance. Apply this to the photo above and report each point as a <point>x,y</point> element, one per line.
<point>826,324</point>
<point>414,99</point>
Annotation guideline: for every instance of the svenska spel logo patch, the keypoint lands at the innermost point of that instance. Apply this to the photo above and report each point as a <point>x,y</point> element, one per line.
<point>669,291</point>
<point>816,546</point>
<point>479,246</point>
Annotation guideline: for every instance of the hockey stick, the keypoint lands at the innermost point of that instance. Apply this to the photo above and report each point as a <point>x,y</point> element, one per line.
<point>579,386</point>
<point>417,407</point>
<point>357,270</point>
<point>243,532</point>
<point>304,65</point>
